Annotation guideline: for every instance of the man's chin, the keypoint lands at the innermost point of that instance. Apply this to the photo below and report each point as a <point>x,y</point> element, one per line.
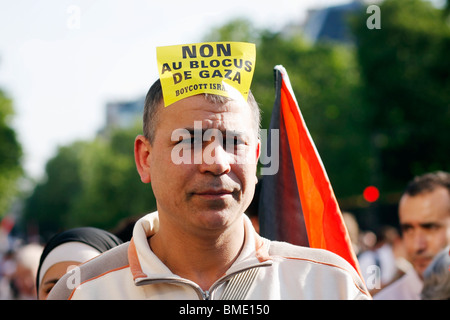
<point>213,203</point>
<point>213,219</point>
<point>421,266</point>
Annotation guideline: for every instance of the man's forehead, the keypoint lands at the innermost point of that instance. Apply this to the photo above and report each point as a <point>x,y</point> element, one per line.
<point>198,128</point>
<point>230,125</point>
<point>424,206</point>
<point>200,120</point>
<point>206,108</point>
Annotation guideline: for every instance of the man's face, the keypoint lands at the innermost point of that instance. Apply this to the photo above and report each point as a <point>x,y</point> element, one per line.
<point>425,223</point>
<point>212,193</point>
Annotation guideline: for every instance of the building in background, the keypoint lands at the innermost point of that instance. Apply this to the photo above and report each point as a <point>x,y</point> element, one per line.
<point>124,114</point>
<point>331,23</point>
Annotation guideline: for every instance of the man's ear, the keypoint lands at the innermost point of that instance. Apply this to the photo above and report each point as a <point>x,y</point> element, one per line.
<point>258,154</point>
<point>142,149</point>
<point>258,150</point>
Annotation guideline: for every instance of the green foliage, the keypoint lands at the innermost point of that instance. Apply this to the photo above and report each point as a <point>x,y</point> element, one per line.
<point>51,202</point>
<point>239,29</point>
<point>406,79</point>
<point>10,156</point>
<point>112,187</point>
<point>90,184</point>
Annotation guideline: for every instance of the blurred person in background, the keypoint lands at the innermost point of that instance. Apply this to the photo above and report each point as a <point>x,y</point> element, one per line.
<point>387,256</point>
<point>353,231</point>
<point>436,278</point>
<point>67,249</point>
<point>424,214</point>
<point>27,262</point>
<point>385,252</point>
<point>7,269</point>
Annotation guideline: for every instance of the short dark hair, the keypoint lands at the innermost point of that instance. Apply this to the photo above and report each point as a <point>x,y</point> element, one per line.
<point>428,182</point>
<point>152,100</point>
<point>155,97</point>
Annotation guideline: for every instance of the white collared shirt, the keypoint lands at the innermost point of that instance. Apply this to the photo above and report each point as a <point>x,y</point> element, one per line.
<point>408,287</point>
<point>133,271</point>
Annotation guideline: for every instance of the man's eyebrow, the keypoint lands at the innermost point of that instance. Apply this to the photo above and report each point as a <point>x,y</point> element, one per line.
<point>425,225</point>
<point>405,225</point>
<point>428,225</point>
<point>192,131</point>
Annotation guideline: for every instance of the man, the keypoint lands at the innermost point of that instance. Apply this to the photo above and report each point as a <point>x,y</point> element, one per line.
<point>200,155</point>
<point>424,214</point>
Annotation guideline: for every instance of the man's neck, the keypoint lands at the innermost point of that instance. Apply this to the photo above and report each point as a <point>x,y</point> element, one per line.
<point>198,257</point>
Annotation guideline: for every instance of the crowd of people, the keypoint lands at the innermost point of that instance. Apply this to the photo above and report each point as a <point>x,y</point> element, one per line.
<point>411,264</point>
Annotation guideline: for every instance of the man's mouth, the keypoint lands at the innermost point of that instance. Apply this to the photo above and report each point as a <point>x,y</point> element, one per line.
<point>422,261</point>
<point>214,193</point>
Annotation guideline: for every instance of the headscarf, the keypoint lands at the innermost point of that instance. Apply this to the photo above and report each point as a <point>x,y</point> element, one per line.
<point>78,244</point>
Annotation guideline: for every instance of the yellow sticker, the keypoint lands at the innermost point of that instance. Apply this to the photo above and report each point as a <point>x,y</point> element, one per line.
<point>222,68</point>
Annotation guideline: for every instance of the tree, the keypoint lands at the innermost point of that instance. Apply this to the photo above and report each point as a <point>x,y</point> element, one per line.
<point>238,29</point>
<point>10,156</point>
<point>112,189</point>
<point>90,183</point>
<point>51,202</point>
<point>406,77</point>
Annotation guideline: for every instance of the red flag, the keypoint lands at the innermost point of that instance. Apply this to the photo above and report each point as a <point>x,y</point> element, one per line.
<point>297,203</point>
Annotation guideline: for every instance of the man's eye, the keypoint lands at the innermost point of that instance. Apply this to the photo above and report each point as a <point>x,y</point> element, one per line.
<point>233,142</point>
<point>406,228</point>
<point>190,141</point>
<point>431,226</point>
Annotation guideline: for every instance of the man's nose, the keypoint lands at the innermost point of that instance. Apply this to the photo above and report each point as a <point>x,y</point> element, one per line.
<point>420,241</point>
<point>215,159</point>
